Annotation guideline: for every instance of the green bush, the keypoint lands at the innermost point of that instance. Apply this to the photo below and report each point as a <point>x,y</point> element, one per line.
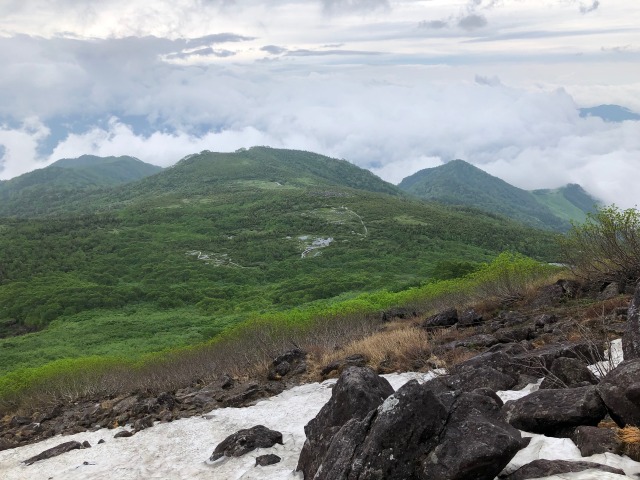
<point>606,247</point>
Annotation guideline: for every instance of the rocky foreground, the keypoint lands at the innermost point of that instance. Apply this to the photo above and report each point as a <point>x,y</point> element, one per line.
<point>467,424</point>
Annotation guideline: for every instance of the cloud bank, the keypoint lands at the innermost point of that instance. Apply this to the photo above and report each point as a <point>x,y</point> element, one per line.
<point>394,86</point>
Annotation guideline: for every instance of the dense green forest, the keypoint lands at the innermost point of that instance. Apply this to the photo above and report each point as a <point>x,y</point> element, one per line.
<point>177,257</point>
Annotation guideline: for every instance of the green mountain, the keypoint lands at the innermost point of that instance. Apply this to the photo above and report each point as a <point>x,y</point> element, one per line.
<point>35,190</point>
<point>460,183</point>
<point>173,259</point>
<point>570,203</point>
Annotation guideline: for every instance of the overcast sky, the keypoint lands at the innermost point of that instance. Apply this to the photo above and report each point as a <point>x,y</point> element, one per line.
<point>393,86</point>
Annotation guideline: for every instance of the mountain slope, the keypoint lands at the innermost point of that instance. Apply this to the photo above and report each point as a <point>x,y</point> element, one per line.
<point>460,183</point>
<point>570,203</point>
<point>67,177</point>
<point>174,258</point>
<point>610,113</point>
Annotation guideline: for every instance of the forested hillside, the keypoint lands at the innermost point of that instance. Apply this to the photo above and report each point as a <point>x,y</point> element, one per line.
<point>173,259</point>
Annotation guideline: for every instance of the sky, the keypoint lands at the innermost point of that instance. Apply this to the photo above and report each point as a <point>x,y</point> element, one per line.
<point>390,85</point>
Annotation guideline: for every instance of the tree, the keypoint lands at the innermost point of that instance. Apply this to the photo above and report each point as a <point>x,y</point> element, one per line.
<point>606,248</point>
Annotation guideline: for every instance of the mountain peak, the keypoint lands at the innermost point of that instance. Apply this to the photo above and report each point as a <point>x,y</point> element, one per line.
<point>458,182</point>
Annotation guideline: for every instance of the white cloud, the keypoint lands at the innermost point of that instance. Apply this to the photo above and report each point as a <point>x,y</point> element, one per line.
<point>488,94</point>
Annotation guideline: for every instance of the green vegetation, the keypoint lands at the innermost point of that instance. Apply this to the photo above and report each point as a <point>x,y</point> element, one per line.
<point>33,192</point>
<point>241,347</point>
<point>606,248</point>
<point>570,203</point>
<point>460,183</point>
<point>180,258</point>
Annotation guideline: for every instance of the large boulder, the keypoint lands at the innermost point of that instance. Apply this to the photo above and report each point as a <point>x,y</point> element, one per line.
<point>54,452</point>
<point>446,318</point>
<point>291,362</point>
<point>482,377</point>
<point>554,411</point>
<point>620,390</point>
<point>594,440</point>
<point>568,373</point>
<point>631,338</point>
<point>357,392</point>
<point>422,431</point>
<point>245,441</point>
<point>546,468</point>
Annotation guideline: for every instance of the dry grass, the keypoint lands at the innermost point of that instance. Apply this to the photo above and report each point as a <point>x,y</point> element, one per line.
<point>630,437</point>
<point>402,347</point>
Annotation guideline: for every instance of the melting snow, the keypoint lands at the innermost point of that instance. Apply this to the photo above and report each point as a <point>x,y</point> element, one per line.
<point>179,450</point>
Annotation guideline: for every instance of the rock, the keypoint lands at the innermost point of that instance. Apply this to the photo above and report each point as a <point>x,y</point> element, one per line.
<point>611,290</point>
<point>549,295</point>
<point>143,423</point>
<point>446,318</point>
<point>357,392</point>
<point>285,363</point>
<point>54,452</point>
<point>631,338</point>
<point>469,318</point>
<point>476,442</point>
<point>571,288</point>
<point>246,440</point>
<point>568,373</point>
<point>18,421</point>
<point>101,441</point>
<point>516,334</point>
<point>422,431</point>
<point>545,319</point>
<point>330,367</point>
<point>123,434</point>
<point>538,361</point>
<point>620,391</point>
<point>269,459</point>
<point>227,382</point>
<point>482,340</point>
<point>86,444</point>
<point>483,377</point>
<point>546,468</point>
<point>399,312</point>
<point>594,440</point>
<point>356,360</point>
<point>552,412</point>
<point>124,405</point>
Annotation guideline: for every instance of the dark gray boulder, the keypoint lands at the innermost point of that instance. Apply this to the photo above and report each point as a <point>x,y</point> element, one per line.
<point>546,468</point>
<point>475,443</point>
<point>292,361</point>
<point>552,412</point>
<point>469,318</point>
<point>482,340</point>
<point>269,459</point>
<point>483,377</point>
<point>620,390</point>
<point>245,441</point>
<point>594,440</point>
<point>54,452</point>
<point>422,431</point>
<point>568,373</point>
<point>357,392</point>
<point>631,338</point>
<point>446,318</point>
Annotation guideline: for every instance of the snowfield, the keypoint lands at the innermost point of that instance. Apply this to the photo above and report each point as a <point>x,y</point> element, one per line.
<point>180,450</point>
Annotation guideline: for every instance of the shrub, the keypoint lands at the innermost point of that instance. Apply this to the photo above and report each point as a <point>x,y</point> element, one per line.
<point>606,248</point>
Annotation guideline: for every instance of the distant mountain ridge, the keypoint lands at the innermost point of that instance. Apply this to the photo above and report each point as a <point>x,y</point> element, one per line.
<point>610,113</point>
<point>70,176</point>
<point>460,183</point>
